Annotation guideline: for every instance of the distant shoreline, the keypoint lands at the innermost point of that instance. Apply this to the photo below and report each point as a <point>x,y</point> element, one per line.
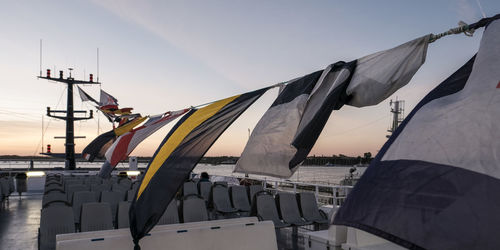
<point>327,161</point>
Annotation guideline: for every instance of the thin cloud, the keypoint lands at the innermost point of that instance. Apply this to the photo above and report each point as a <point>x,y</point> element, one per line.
<point>167,29</point>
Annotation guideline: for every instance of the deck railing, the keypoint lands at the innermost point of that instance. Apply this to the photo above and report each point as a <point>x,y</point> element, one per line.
<point>325,194</point>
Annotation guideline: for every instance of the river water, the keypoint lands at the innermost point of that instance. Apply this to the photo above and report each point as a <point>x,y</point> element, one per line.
<point>309,174</point>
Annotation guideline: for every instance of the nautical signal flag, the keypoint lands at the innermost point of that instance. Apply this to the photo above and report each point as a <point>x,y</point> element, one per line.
<point>86,97</point>
<point>435,183</point>
<point>268,149</point>
<point>99,146</point>
<point>127,142</point>
<point>107,101</point>
<point>178,154</point>
<point>287,132</point>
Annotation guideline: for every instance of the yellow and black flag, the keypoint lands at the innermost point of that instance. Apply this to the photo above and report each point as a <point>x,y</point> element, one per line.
<point>178,154</point>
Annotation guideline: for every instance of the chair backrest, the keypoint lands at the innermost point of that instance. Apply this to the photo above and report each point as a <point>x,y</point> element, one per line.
<point>204,188</point>
<point>92,181</point>
<point>108,181</point>
<point>223,183</point>
<point>12,186</point>
<point>54,198</point>
<point>171,214</point>
<point>75,188</point>
<point>127,183</point>
<point>96,216</point>
<point>54,188</point>
<point>252,190</point>
<point>239,198</point>
<point>266,207</point>
<point>113,198</point>
<point>131,194</point>
<point>53,182</point>
<point>54,220</point>
<point>4,182</point>
<point>189,187</point>
<point>71,182</point>
<point>136,185</point>
<point>80,198</point>
<point>193,209</point>
<point>288,208</point>
<point>123,208</point>
<point>220,198</point>
<point>308,206</point>
<point>101,187</point>
<point>119,188</point>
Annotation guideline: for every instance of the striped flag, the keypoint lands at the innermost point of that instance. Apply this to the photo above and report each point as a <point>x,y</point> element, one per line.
<point>268,150</point>
<point>99,146</point>
<point>127,142</point>
<point>178,154</point>
<point>328,94</point>
<point>287,132</point>
<point>435,183</point>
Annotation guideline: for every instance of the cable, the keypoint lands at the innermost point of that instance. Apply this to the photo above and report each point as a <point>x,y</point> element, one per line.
<point>356,128</point>
<point>48,123</point>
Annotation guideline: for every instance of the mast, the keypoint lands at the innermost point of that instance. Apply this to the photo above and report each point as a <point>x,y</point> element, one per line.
<point>70,115</point>
<point>397,110</point>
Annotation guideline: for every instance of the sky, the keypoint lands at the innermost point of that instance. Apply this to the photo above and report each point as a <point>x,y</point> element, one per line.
<point>157,56</point>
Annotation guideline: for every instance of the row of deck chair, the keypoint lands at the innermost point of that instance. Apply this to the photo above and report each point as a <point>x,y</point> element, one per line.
<point>99,216</point>
<point>70,187</point>
<point>60,219</point>
<point>81,197</point>
<point>59,181</point>
<point>288,209</point>
<point>204,189</point>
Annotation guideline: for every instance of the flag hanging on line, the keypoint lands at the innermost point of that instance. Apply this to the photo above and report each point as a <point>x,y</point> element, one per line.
<point>86,97</point>
<point>127,142</point>
<point>107,101</point>
<point>328,94</point>
<point>99,146</point>
<point>178,154</point>
<point>435,182</point>
<point>268,149</point>
<point>286,133</point>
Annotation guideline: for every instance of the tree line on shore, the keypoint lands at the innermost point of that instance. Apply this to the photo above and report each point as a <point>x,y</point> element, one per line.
<point>334,160</point>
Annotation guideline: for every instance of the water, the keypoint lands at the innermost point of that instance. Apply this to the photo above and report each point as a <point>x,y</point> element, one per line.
<point>309,174</point>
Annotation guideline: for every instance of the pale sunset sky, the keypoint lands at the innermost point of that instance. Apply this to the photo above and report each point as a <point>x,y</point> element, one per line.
<point>157,56</point>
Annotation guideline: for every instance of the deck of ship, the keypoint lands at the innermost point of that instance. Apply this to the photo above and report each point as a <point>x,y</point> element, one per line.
<point>20,220</point>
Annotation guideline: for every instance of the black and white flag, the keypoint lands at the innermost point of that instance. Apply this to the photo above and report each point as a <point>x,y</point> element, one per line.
<point>435,183</point>
<point>287,132</point>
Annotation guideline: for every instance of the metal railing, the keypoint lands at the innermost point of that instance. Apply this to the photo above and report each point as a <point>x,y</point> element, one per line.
<point>325,194</point>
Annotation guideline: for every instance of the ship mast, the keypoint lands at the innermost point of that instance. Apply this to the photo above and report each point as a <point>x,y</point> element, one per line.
<point>397,110</point>
<point>70,115</point>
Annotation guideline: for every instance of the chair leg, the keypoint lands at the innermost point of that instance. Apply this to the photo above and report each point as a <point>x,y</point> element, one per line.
<point>295,237</point>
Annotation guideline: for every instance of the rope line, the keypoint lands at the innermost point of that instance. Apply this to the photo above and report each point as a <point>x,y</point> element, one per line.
<point>467,29</point>
<point>48,123</point>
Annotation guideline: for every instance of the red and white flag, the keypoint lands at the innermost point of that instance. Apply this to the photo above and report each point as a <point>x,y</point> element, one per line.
<point>127,142</point>
<point>107,101</point>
